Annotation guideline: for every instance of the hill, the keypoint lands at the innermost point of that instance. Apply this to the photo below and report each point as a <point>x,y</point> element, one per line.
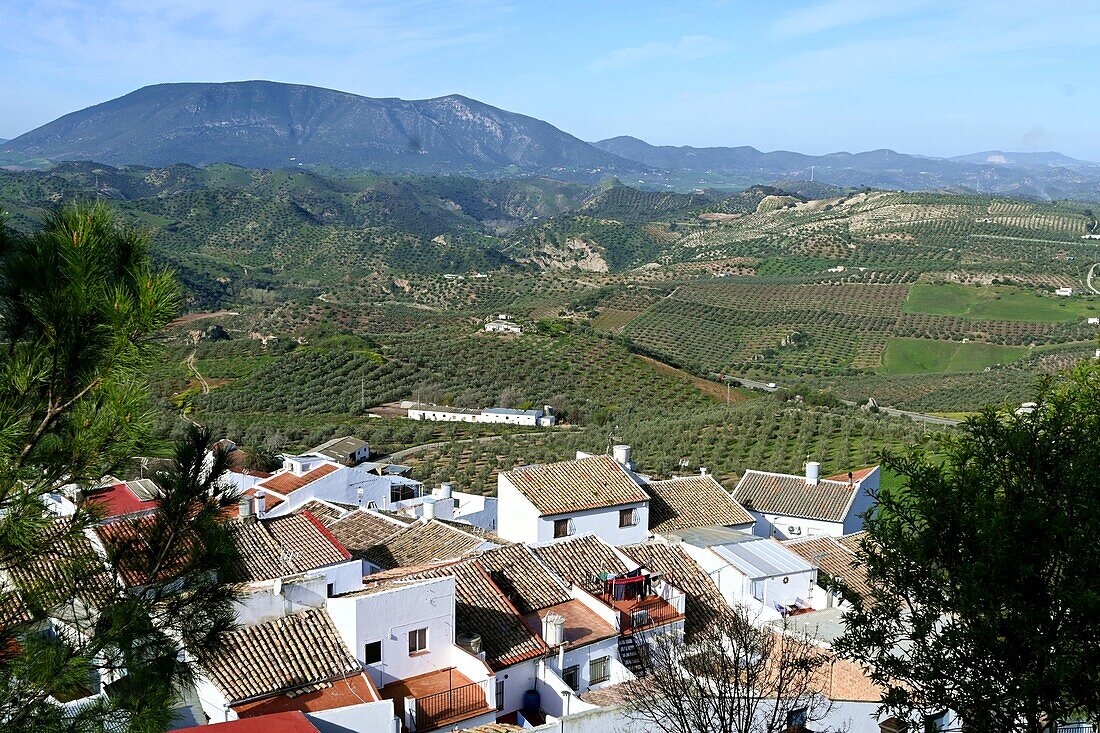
<point>272,125</point>
<point>1033,176</point>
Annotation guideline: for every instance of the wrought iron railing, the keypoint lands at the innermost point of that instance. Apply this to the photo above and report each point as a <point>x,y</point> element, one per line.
<point>436,709</point>
<point>646,614</point>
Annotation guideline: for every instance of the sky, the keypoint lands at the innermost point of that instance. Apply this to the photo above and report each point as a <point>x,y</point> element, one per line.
<point>933,77</point>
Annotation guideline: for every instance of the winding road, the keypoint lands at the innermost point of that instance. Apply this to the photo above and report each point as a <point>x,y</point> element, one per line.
<point>1088,278</point>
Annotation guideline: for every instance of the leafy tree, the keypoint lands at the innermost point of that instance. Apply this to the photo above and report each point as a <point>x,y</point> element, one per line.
<point>735,677</point>
<point>982,569</point>
<point>81,304</point>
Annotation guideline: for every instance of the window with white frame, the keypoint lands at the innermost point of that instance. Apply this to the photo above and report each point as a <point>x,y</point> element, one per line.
<point>628,517</point>
<point>418,641</point>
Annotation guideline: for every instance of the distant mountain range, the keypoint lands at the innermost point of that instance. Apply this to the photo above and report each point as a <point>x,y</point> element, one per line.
<point>265,124</point>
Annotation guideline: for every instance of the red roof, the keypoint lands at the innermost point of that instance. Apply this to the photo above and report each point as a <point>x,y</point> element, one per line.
<point>117,500</point>
<point>341,694</point>
<point>285,483</point>
<point>857,476</point>
<point>290,722</point>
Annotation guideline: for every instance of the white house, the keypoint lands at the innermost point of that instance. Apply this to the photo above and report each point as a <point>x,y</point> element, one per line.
<point>787,506</point>
<point>542,417</point>
<point>693,501</point>
<point>1064,292</point>
<point>1094,321</point>
<point>555,501</point>
<point>346,450</point>
<point>834,558</point>
<point>754,571</point>
<point>499,326</point>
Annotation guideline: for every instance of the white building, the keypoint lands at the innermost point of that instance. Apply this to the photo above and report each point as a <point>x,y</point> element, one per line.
<point>693,501</point>
<point>754,571</point>
<point>503,327</point>
<point>542,417</point>
<point>1064,292</point>
<point>835,559</point>
<point>787,506</point>
<point>555,501</point>
<point>346,450</point>
<point>1094,321</point>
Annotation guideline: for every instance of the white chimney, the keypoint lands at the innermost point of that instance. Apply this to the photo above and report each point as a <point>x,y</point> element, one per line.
<point>245,506</point>
<point>446,490</point>
<point>258,503</point>
<point>813,473</point>
<point>553,629</point>
<point>429,509</point>
<point>703,471</point>
<point>621,454</point>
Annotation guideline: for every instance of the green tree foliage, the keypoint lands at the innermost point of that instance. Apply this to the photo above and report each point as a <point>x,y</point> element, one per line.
<point>81,304</point>
<point>982,567</point>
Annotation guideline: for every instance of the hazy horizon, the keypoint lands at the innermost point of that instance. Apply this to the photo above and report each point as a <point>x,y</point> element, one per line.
<point>925,77</point>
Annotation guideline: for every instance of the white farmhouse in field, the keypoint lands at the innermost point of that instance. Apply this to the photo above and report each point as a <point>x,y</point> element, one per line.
<point>1094,321</point>
<point>555,501</point>
<point>787,506</point>
<point>503,327</point>
<point>1064,292</point>
<point>542,417</point>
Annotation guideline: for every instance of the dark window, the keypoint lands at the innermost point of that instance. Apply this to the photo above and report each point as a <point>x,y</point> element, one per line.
<point>796,718</point>
<point>330,590</point>
<point>561,528</point>
<point>402,492</point>
<point>500,694</point>
<point>372,652</point>
<point>418,641</point>
<point>627,518</point>
<point>572,677</point>
<point>599,670</point>
<point>936,723</point>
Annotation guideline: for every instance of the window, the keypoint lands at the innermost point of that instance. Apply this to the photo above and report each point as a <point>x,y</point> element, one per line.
<point>402,492</point>
<point>936,723</point>
<point>500,694</point>
<point>372,652</point>
<point>561,528</point>
<point>329,590</point>
<point>796,718</point>
<point>599,670</point>
<point>572,677</point>
<point>418,641</point>
<point>628,517</point>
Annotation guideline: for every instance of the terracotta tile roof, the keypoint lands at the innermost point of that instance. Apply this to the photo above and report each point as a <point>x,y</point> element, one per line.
<point>775,493</point>
<point>857,476</point>
<point>419,543</point>
<point>570,486</point>
<point>125,541</point>
<point>526,581</point>
<point>70,570</point>
<point>352,690</point>
<point>361,530</point>
<point>494,728</point>
<point>324,511</point>
<point>612,695</point>
<point>291,722</point>
<point>272,548</point>
<point>703,602</point>
<point>581,560</point>
<point>287,482</point>
<point>692,501</point>
<point>293,653</point>
<point>835,559</point>
<point>482,608</point>
<point>852,541</point>
<point>582,624</point>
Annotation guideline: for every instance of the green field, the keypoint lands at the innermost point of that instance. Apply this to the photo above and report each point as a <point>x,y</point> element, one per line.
<point>924,356</point>
<point>996,303</point>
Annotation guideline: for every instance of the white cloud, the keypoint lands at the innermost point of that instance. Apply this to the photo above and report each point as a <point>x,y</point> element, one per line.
<point>682,49</point>
<point>833,14</point>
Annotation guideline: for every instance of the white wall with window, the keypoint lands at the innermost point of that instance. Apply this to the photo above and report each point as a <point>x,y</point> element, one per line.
<point>621,525</point>
<point>401,631</point>
<point>592,666</point>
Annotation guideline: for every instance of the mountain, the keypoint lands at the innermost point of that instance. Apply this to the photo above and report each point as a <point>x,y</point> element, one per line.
<point>271,125</point>
<point>1027,175</point>
<point>1026,160</point>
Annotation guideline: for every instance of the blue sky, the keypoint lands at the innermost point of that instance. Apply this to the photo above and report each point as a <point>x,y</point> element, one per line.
<point>920,76</point>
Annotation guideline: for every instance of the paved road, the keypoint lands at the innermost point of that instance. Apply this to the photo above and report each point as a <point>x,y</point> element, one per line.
<point>918,416</point>
<point>401,455</point>
<point>1088,278</point>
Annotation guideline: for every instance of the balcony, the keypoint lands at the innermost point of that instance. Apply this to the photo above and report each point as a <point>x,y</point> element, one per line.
<point>437,699</point>
<point>639,605</point>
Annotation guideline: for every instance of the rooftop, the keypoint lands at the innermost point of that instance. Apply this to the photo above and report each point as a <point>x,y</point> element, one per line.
<point>326,512</point>
<point>298,654</point>
<point>511,411</point>
<point>363,529</point>
<point>421,542</point>
<point>288,482</point>
<point>571,486</point>
<point>835,559</point>
<point>789,495</point>
<point>692,501</point>
<point>439,709</point>
<point>352,690</point>
<point>290,722</point>
<point>120,499</point>
<point>274,548</point>
<point>339,448</point>
<point>582,560</point>
<point>708,536</point>
<point>526,581</point>
<point>703,602</point>
<point>582,624</point>
<point>761,558</point>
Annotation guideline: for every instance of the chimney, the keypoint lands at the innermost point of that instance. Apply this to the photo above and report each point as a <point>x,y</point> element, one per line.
<point>813,473</point>
<point>703,471</point>
<point>245,506</point>
<point>851,479</point>
<point>446,490</point>
<point>258,503</point>
<point>621,453</point>
<point>429,509</point>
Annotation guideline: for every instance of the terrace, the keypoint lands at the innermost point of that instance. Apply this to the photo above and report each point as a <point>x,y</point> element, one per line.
<point>438,699</point>
<point>642,602</point>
